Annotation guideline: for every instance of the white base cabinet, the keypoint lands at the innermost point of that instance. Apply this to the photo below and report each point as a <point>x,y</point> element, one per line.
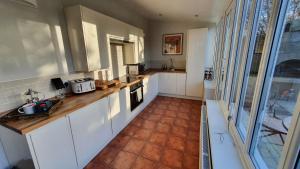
<point>119,110</point>
<point>167,83</point>
<point>51,146</point>
<point>91,129</point>
<point>150,88</point>
<point>172,83</point>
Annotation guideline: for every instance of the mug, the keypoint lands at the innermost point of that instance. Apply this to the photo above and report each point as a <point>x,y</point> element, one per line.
<point>27,108</point>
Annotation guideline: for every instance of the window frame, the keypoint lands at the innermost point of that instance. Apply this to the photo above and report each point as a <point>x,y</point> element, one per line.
<point>232,10</point>
<point>276,25</point>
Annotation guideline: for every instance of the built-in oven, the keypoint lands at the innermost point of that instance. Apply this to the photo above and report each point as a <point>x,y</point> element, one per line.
<point>136,94</point>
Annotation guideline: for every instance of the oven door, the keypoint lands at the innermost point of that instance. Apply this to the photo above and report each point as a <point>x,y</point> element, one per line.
<point>136,97</point>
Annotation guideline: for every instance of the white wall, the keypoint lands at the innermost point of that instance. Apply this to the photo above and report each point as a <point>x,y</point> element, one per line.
<point>33,41</point>
<point>157,29</point>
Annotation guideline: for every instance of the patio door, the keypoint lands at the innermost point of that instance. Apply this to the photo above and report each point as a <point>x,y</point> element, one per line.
<point>278,110</point>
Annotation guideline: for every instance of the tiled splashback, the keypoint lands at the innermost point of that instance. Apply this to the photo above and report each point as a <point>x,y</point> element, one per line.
<point>12,93</point>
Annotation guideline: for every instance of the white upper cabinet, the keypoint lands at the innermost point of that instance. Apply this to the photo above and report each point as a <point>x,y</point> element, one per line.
<point>84,39</point>
<point>90,33</point>
<point>196,52</point>
<point>91,129</point>
<point>52,146</point>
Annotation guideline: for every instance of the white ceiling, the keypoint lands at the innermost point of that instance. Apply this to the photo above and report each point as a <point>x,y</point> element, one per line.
<point>179,10</point>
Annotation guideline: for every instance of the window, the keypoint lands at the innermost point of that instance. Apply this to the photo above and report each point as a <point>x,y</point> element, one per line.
<point>219,57</point>
<point>228,46</point>
<point>252,66</point>
<point>278,101</point>
<point>263,81</point>
<point>241,48</point>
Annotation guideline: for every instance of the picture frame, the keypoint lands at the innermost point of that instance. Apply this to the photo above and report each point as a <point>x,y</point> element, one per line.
<point>172,44</point>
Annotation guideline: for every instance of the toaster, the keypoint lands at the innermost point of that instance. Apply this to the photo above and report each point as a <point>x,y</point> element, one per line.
<point>83,85</point>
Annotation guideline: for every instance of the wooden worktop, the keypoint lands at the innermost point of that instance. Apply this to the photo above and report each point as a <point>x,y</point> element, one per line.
<point>153,71</point>
<point>73,103</point>
<point>70,104</point>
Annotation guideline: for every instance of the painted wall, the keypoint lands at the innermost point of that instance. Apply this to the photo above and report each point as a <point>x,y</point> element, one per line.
<point>33,41</point>
<point>157,29</point>
<point>34,47</point>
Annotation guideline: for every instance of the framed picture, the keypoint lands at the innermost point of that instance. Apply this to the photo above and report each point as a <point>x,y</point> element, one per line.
<point>172,44</point>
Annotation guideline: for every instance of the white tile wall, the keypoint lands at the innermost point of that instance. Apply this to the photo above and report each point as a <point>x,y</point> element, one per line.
<point>12,93</point>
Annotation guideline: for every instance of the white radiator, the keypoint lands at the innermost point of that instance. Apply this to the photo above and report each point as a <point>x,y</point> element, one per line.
<point>205,162</point>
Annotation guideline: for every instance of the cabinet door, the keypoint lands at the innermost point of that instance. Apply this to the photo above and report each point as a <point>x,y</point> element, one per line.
<point>196,51</point>
<point>162,83</point>
<point>118,111</point>
<point>153,86</point>
<point>180,81</point>
<point>91,130</point>
<point>167,83</point>
<point>147,90</point>
<point>91,45</point>
<point>53,145</point>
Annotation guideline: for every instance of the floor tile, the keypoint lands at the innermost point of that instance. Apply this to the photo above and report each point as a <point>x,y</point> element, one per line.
<point>158,138</point>
<point>162,106</point>
<point>120,141</point>
<point>172,158</point>
<point>107,155</point>
<point>134,146</point>
<point>149,124</point>
<point>97,165</point>
<point>152,152</point>
<point>158,111</point>
<point>169,113</point>
<point>130,130</point>
<point>142,134</point>
<point>162,166</point>
<point>176,143</point>
<point>193,135</point>
<point>179,131</point>
<point>143,163</point>
<point>192,148</point>
<point>138,122</point>
<point>124,160</point>
<point>181,123</point>
<point>172,107</point>
<point>183,116</point>
<point>154,117</point>
<point>190,162</point>
<point>194,126</point>
<point>167,120</point>
<point>164,128</point>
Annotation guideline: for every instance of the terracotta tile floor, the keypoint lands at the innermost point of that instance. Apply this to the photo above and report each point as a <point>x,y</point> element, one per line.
<point>165,135</point>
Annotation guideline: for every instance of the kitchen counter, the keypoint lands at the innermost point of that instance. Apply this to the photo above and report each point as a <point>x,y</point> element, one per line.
<point>75,102</point>
<point>70,104</point>
<point>153,71</point>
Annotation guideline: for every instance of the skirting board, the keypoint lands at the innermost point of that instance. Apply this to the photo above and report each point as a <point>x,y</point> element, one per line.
<point>180,96</point>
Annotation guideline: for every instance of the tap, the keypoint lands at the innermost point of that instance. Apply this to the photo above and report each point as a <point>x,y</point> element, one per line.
<point>172,64</point>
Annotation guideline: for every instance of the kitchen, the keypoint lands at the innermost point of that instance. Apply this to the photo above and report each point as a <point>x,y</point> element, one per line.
<point>118,84</point>
<point>54,49</point>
